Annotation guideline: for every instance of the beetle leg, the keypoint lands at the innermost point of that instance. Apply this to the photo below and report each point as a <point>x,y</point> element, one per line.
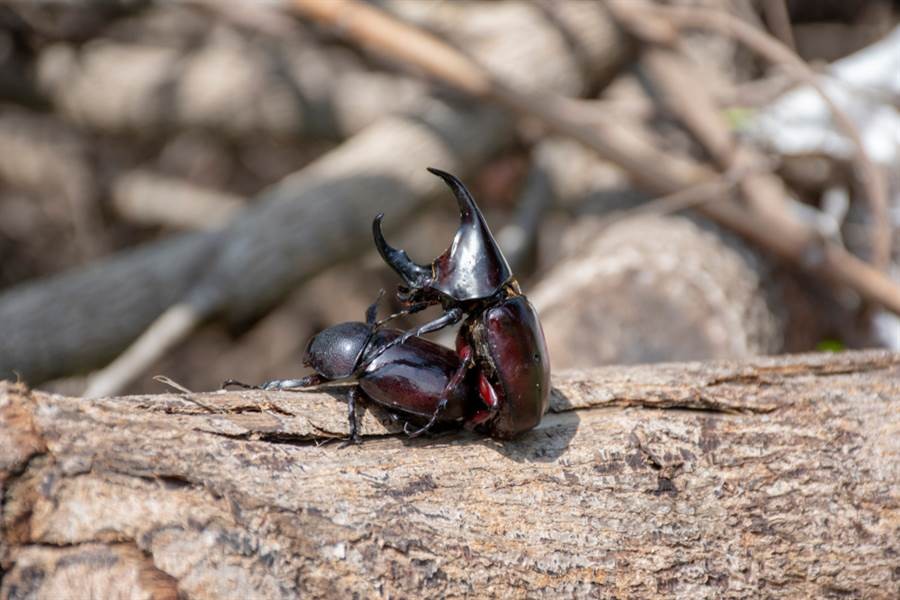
<point>434,417</point>
<point>450,317</point>
<point>411,309</point>
<point>234,382</point>
<point>372,311</point>
<point>352,396</point>
<point>280,384</point>
<point>455,380</point>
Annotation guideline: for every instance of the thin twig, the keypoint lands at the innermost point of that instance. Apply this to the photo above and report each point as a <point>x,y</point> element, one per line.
<point>777,53</point>
<point>657,170</point>
<point>166,331</point>
<point>683,199</point>
<point>171,383</point>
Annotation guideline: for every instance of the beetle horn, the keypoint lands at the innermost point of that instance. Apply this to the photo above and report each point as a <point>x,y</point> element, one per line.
<point>473,266</point>
<point>467,207</point>
<point>413,274</point>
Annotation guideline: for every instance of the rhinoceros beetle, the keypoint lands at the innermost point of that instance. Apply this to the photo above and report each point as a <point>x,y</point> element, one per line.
<point>501,333</point>
<point>498,379</point>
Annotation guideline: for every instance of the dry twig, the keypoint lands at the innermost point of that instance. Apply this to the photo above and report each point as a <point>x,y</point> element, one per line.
<point>777,53</point>
<point>656,170</point>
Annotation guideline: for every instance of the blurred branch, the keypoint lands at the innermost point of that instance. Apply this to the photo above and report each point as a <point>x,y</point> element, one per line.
<point>658,171</point>
<point>777,18</point>
<point>690,197</point>
<point>301,225</point>
<point>376,30</point>
<point>147,198</point>
<point>688,99</point>
<point>232,85</point>
<point>777,53</point>
<point>518,239</point>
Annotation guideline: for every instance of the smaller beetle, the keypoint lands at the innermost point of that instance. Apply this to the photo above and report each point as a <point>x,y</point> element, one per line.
<point>417,378</point>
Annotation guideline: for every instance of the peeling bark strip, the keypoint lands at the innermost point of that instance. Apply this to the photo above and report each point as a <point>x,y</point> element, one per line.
<point>779,480</point>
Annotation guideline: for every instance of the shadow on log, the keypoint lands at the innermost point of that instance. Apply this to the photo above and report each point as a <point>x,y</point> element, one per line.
<point>776,477</point>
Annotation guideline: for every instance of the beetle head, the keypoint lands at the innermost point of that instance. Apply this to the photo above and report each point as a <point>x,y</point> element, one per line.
<point>334,352</point>
<point>472,268</point>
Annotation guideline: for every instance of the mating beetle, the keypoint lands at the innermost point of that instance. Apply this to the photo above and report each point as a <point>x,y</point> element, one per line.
<point>414,377</point>
<point>497,381</point>
<point>501,337</point>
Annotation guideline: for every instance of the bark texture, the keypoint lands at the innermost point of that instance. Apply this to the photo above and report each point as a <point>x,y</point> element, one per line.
<point>776,477</point>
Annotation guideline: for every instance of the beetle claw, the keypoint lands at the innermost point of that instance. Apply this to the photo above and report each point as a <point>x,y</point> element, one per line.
<point>241,384</point>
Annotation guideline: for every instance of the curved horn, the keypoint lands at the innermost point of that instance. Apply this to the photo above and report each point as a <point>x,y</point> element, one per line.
<point>473,266</point>
<point>413,275</point>
<point>467,207</point>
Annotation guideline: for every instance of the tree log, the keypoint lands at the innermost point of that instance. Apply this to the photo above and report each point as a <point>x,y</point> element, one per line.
<point>776,477</point>
<point>658,288</point>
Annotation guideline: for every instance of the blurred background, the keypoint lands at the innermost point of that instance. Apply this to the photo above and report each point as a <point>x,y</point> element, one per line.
<point>187,188</point>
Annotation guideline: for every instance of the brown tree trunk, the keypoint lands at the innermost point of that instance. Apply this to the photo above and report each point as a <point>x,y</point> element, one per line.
<point>776,477</point>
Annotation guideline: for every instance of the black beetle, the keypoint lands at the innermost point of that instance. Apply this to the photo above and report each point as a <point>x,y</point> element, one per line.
<point>414,377</point>
<point>497,381</point>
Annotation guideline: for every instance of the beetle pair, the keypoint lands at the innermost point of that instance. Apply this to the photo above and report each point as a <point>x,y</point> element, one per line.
<point>498,379</point>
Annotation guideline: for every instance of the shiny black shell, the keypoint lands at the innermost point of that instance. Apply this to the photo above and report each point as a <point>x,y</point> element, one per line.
<point>334,352</point>
<point>411,377</point>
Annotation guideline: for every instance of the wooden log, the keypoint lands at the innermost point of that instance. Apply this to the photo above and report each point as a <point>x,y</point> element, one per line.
<point>776,477</point>
<point>655,289</point>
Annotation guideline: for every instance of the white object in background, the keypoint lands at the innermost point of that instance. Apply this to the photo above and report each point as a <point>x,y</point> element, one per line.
<point>863,85</point>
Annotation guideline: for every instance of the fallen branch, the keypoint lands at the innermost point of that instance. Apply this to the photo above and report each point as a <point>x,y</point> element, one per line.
<point>774,477</point>
<point>779,54</point>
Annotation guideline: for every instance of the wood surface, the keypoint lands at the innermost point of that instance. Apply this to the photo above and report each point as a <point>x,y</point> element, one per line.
<point>774,477</point>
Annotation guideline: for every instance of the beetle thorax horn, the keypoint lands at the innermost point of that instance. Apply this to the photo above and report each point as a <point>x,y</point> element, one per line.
<point>473,267</point>
<point>414,275</point>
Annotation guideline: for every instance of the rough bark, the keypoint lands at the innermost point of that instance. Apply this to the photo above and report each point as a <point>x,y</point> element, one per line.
<point>776,477</point>
<point>312,218</point>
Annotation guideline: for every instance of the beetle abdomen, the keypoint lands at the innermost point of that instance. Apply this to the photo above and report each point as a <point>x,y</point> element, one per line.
<point>514,341</point>
<point>411,377</point>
